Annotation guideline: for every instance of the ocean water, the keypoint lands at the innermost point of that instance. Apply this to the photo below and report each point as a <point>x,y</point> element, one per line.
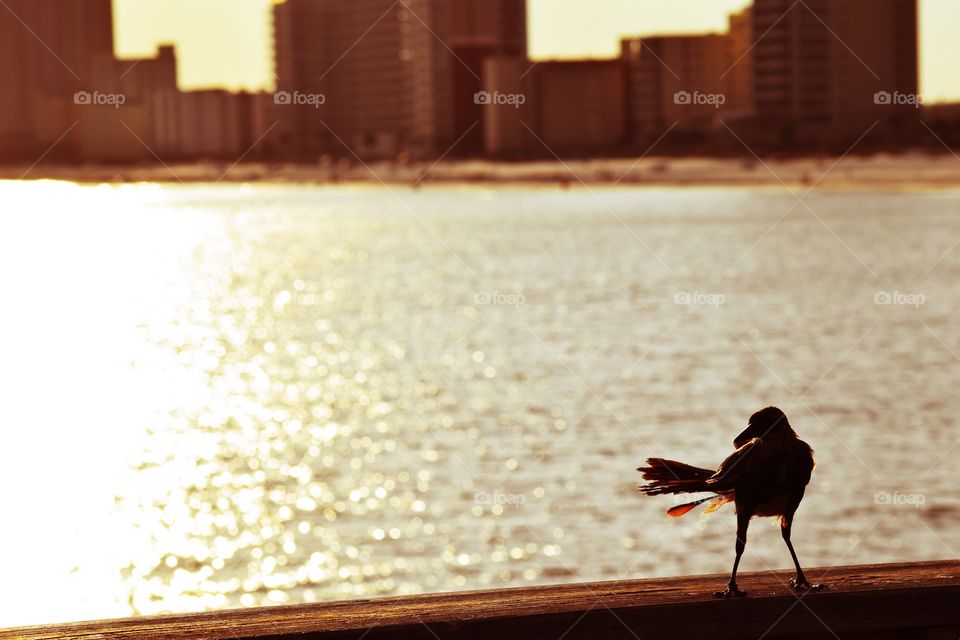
<point>215,396</point>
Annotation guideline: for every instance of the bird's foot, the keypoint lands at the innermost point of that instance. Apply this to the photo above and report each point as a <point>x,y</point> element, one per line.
<point>730,592</point>
<point>802,584</point>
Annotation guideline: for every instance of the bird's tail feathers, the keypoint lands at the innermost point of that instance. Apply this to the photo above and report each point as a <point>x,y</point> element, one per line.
<point>670,476</point>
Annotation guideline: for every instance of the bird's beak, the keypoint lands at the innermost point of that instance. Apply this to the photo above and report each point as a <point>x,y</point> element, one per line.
<point>745,436</point>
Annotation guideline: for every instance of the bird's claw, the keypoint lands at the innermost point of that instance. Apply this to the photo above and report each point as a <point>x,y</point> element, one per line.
<point>802,584</point>
<point>730,592</point>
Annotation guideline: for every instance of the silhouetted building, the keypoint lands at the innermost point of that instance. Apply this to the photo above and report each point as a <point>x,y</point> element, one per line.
<point>505,122</point>
<point>738,77</point>
<point>478,30</point>
<point>688,83</point>
<point>17,93</point>
<point>574,107</point>
<point>139,78</point>
<point>579,105</point>
<point>308,44</point>
<point>48,50</point>
<point>379,78</point>
<point>383,78</point>
<point>202,125</point>
<point>944,120</point>
<point>117,118</point>
<point>376,76</point>
<point>831,68</point>
<point>676,81</point>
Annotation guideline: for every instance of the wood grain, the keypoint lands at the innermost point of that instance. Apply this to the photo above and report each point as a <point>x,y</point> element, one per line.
<point>912,600</point>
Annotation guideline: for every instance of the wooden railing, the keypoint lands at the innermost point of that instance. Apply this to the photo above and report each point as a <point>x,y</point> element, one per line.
<point>914,600</point>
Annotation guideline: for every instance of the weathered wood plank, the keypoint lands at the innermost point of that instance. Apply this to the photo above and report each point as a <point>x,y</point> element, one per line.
<point>914,600</point>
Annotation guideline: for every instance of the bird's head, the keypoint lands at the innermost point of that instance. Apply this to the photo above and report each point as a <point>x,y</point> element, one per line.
<point>766,423</point>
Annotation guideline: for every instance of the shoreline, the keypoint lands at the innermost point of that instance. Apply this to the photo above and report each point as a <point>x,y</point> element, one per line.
<point>884,171</point>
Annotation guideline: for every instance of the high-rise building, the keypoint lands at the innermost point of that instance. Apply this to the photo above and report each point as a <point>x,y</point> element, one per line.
<point>563,107</point>
<point>579,105</point>
<point>16,88</point>
<point>393,76</point>
<point>48,50</point>
<point>505,125</point>
<point>477,30</point>
<point>131,129</point>
<point>828,68</point>
<point>676,82</point>
<point>376,83</point>
<point>308,48</point>
<point>738,77</point>
<point>210,125</point>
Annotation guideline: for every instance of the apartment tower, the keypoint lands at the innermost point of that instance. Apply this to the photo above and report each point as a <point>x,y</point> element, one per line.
<point>48,49</point>
<point>831,69</point>
<point>395,76</point>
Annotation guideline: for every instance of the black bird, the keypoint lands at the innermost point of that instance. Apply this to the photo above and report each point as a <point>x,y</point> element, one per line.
<point>765,476</point>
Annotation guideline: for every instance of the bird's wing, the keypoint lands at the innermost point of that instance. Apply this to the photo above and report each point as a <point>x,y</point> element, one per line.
<point>738,464</point>
<point>801,463</point>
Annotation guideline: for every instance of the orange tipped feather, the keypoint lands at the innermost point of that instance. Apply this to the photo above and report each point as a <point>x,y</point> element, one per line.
<point>679,510</point>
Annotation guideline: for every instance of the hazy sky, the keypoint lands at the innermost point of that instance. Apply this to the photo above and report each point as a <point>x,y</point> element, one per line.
<point>228,42</point>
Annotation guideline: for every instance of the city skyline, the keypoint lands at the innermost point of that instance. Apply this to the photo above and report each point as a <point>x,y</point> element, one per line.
<point>236,53</point>
<point>438,78</point>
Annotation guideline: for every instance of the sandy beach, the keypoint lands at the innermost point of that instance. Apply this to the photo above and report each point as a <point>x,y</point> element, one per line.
<point>905,171</point>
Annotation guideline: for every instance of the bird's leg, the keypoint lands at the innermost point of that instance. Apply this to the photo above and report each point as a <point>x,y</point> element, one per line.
<point>800,583</point>
<point>743,521</point>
